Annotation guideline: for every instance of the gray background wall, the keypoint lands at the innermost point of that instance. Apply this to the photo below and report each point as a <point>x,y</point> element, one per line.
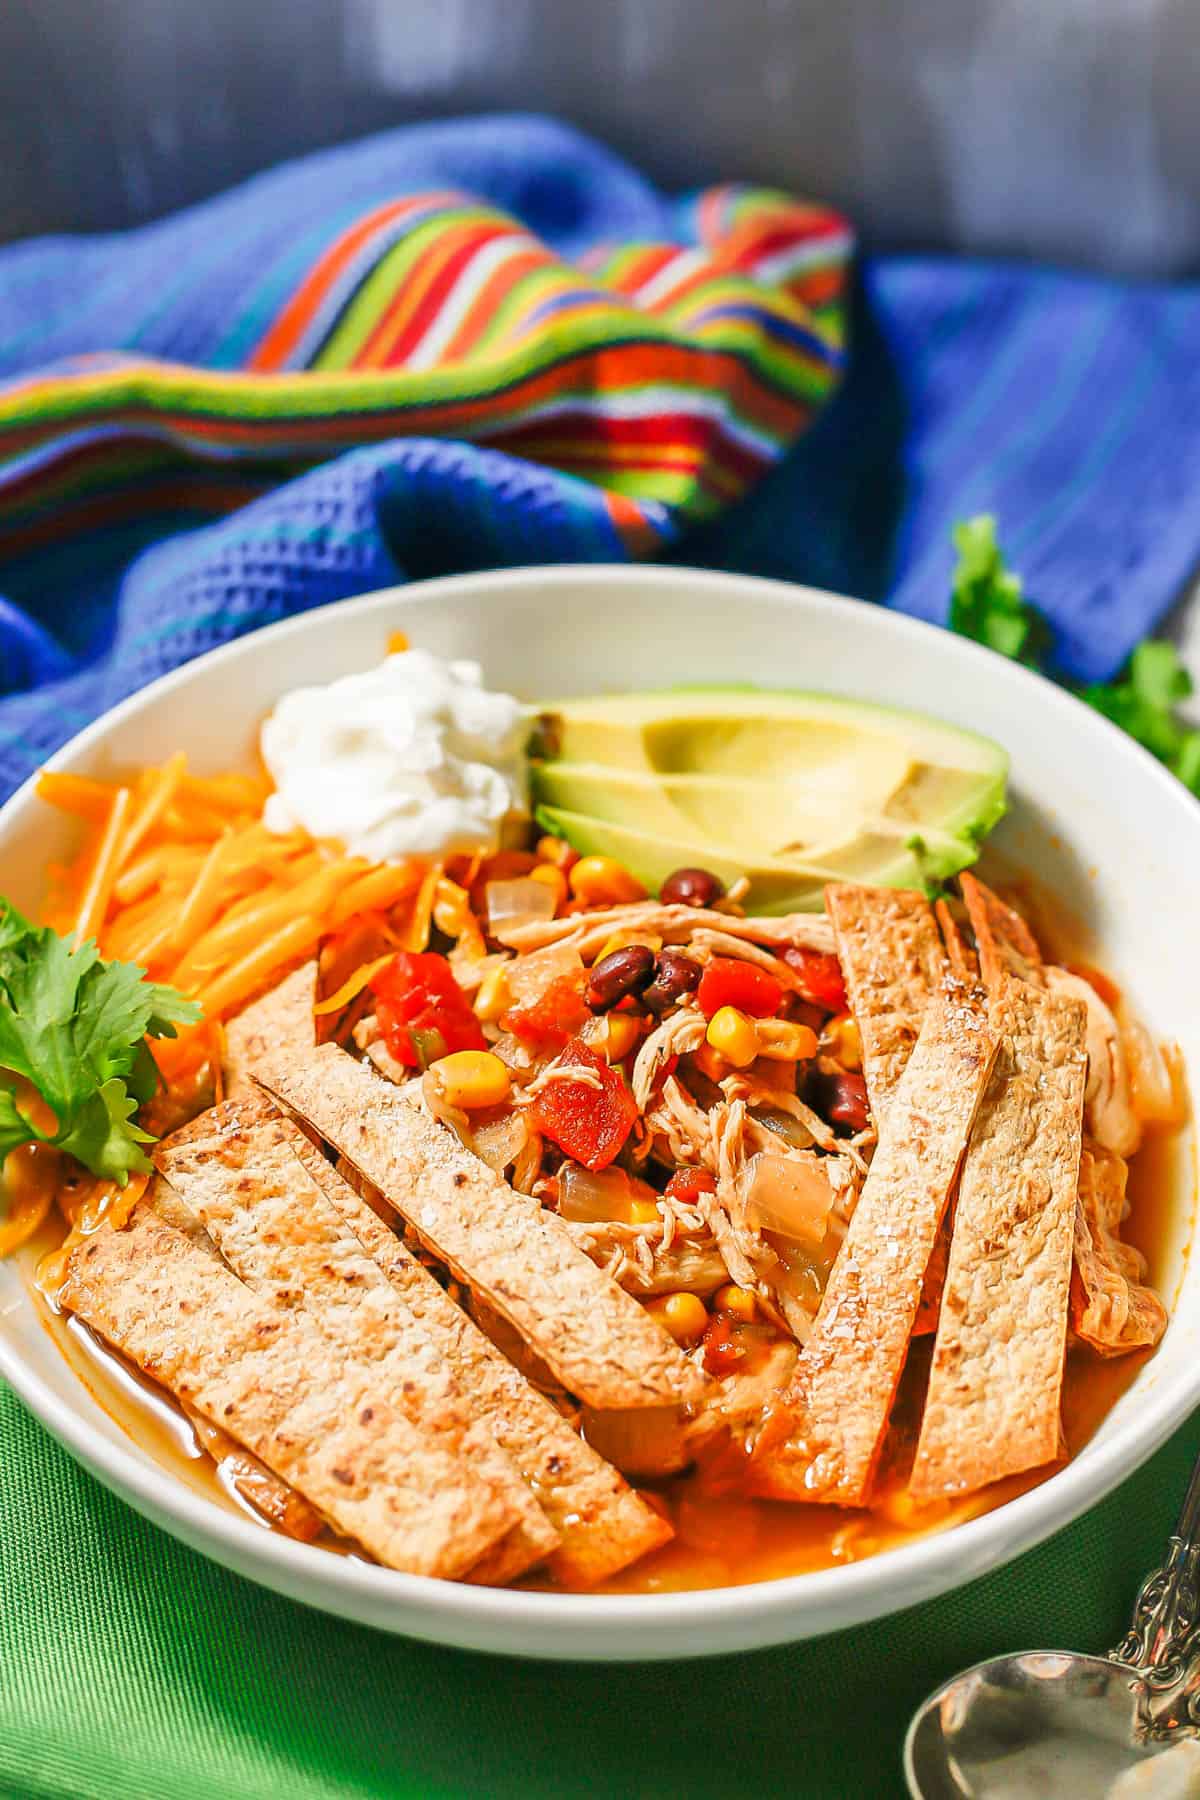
<point>1060,128</point>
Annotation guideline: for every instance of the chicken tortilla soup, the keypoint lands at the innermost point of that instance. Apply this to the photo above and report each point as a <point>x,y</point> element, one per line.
<point>614,1143</point>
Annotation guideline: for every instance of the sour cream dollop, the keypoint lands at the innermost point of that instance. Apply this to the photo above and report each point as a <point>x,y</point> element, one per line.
<point>415,757</point>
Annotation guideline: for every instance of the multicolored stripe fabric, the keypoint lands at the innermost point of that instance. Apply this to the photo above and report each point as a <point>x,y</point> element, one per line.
<point>473,344</point>
<point>670,373</point>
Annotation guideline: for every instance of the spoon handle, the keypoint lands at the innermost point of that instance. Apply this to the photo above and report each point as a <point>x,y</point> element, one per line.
<point>1164,1633</point>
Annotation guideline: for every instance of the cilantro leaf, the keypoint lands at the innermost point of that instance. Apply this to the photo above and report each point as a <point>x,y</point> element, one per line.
<point>75,1027</point>
<point>104,1138</point>
<point>15,1128</point>
<point>987,600</point>
<point>1142,702</point>
<point>988,604</point>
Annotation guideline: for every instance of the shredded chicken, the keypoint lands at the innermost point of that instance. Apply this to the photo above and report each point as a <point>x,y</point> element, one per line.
<point>528,1165</point>
<point>633,1257</point>
<point>557,1070</point>
<point>679,1127</point>
<point>589,932</point>
<point>1108,1106</point>
<point>1111,1308</point>
<point>679,1034</point>
<point>754,1092</point>
<point>386,1063</point>
<point>706,942</point>
<point>733,1252</point>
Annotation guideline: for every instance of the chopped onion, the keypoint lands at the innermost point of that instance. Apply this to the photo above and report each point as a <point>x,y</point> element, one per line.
<point>511,1050</point>
<point>786,1195</point>
<point>499,1142</point>
<point>518,901</point>
<point>471,972</point>
<point>1153,1092</point>
<point>440,1108</point>
<point>598,1197</point>
<point>529,976</point>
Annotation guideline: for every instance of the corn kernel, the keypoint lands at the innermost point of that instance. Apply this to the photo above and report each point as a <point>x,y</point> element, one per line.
<point>738,1302</point>
<point>451,906</point>
<point>683,1315</point>
<point>612,1034</point>
<point>644,1212</point>
<point>494,996</point>
<point>397,642</point>
<point>556,850</point>
<point>602,881</point>
<point>732,1035</point>
<point>709,1063</point>
<point>550,877</point>
<point>618,1037</point>
<point>621,940</point>
<point>785,1041</point>
<point>472,1078</point>
<point>842,1041</point>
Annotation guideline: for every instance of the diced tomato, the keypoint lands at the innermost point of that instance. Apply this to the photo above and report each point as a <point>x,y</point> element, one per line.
<point>686,1185</point>
<point>727,981</point>
<point>421,1010</point>
<point>556,1015</point>
<point>589,1123</point>
<point>821,977</point>
<point>722,1351</point>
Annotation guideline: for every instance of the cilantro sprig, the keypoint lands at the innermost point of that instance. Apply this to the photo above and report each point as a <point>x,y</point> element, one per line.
<point>76,1028</point>
<point>1143,701</point>
<point>987,599</point>
<point>988,603</point>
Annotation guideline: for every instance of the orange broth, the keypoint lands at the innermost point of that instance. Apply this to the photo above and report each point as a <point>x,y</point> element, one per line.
<point>722,1537</point>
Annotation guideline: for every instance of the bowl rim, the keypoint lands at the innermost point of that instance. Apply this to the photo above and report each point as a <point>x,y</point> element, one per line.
<point>840,1596</point>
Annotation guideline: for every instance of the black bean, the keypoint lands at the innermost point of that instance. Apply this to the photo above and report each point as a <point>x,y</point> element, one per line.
<point>674,976</point>
<point>624,972</point>
<point>840,1098</point>
<point>691,887</point>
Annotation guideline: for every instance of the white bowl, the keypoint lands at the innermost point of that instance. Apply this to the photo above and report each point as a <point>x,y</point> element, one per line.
<point>1092,815</point>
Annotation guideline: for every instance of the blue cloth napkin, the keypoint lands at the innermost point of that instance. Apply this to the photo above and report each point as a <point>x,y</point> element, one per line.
<point>1070,407</point>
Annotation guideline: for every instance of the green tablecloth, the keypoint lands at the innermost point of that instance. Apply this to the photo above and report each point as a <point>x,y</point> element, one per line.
<point>132,1668</point>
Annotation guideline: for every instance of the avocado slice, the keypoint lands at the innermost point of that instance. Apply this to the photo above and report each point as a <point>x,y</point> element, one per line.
<point>790,789</point>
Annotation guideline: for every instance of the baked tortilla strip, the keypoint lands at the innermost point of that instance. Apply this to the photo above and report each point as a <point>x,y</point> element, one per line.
<point>1004,941</point>
<point>601,1344</point>
<point>161,1197</point>
<point>277,1023</point>
<point>236,1169</point>
<point>964,964</point>
<point>892,963</point>
<point>849,1369</point>
<point>320,1420</point>
<point>603,1525</point>
<point>266,1493</point>
<point>1110,1309</point>
<point>992,1408</point>
<point>273,1499</point>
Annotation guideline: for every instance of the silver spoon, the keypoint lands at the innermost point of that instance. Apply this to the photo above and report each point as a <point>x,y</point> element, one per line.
<point>1046,1723</point>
